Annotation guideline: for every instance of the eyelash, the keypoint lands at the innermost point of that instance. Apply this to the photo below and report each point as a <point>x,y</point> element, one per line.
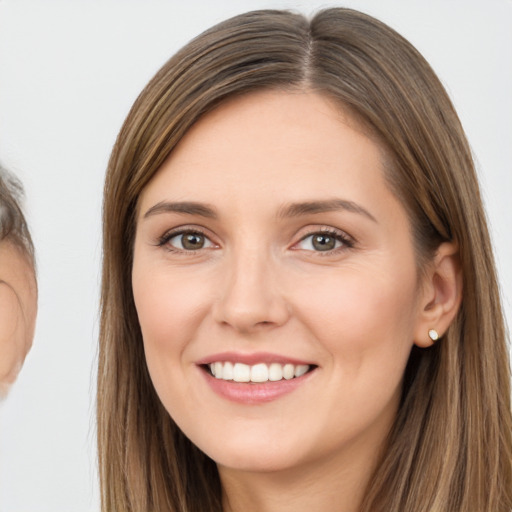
<point>163,241</point>
<point>346,241</point>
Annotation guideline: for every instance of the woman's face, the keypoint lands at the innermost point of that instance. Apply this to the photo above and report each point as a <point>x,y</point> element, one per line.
<point>18,310</point>
<point>270,250</point>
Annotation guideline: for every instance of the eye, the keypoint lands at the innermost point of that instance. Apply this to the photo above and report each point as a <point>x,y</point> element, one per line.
<point>187,241</point>
<point>323,241</point>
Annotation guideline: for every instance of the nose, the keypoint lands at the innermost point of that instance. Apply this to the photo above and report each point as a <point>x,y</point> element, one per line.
<point>250,296</point>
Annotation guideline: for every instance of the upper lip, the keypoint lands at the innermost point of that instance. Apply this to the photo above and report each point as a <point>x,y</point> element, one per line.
<point>251,359</point>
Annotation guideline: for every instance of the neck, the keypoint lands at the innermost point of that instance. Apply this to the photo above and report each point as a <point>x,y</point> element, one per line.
<point>327,485</point>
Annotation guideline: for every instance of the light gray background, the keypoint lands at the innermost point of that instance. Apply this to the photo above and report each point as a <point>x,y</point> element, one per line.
<point>69,71</point>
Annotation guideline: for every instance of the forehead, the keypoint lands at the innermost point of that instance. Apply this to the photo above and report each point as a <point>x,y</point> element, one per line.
<point>274,143</point>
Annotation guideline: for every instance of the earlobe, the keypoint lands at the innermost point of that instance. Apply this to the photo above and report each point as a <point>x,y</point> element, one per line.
<point>441,295</point>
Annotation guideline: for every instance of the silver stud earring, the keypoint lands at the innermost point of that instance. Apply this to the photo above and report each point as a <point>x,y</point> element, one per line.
<point>433,335</point>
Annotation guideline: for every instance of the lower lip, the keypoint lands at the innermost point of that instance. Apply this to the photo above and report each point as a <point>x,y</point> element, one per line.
<point>254,393</point>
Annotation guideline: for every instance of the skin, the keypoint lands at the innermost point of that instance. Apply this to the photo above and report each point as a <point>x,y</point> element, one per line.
<point>18,309</point>
<point>259,285</point>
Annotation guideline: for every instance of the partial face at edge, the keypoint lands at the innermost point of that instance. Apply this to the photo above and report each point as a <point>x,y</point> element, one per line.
<point>270,238</point>
<point>18,310</point>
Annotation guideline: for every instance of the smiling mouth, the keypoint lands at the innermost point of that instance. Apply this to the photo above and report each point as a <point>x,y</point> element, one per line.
<point>257,373</point>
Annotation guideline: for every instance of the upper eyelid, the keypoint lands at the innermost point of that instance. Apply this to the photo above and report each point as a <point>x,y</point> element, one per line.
<point>180,230</point>
<point>300,235</point>
<point>326,230</point>
<point>186,228</point>
<point>347,241</point>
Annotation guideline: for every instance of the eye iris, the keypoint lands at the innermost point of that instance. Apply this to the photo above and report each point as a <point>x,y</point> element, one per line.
<point>192,241</point>
<point>323,242</point>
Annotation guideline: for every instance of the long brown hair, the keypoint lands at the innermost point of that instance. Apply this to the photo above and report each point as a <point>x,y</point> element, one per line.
<point>450,448</point>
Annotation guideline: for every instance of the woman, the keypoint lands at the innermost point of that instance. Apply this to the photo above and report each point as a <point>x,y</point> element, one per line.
<point>18,288</point>
<point>299,305</point>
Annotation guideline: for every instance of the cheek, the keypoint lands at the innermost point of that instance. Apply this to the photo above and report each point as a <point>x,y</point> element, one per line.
<point>170,308</point>
<point>162,318</point>
<point>365,322</point>
<point>10,318</point>
<point>167,303</point>
<point>362,316</point>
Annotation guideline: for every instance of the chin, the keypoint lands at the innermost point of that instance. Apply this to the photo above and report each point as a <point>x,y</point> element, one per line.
<point>253,453</point>
<point>256,462</point>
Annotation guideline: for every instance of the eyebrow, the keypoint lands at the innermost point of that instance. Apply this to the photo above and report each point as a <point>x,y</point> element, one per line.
<point>331,205</point>
<point>290,210</point>
<point>186,207</point>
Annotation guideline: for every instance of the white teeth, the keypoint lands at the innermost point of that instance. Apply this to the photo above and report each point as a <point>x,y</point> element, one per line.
<point>288,371</point>
<point>301,369</point>
<point>275,372</point>
<point>218,370</point>
<point>241,372</point>
<point>260,372</point>
<point>227,371</point>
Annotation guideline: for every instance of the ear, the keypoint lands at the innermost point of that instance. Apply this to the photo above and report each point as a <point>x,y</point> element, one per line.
<point>18,310</point>
<point>441,295</point>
